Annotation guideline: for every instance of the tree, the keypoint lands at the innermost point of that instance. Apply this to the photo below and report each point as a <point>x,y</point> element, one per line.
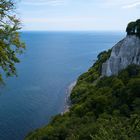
<point>131,28</point>
<point>10,43</point>
<point>138,27</point>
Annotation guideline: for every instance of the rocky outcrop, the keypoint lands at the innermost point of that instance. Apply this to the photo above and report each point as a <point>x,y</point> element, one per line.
<point>124,53</point>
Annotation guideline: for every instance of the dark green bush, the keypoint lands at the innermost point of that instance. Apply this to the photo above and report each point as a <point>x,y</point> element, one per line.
<point>133,28</point>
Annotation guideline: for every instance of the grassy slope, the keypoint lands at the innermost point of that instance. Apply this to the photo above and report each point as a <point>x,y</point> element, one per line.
<point>102,109</point>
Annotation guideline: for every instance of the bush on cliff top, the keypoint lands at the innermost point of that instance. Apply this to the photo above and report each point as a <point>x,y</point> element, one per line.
<point>133,28</point>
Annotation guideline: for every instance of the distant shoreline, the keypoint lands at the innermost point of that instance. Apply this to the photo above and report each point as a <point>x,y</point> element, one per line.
<point>67,99</point>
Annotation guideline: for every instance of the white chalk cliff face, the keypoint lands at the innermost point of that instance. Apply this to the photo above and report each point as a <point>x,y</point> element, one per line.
<point>124,53</point>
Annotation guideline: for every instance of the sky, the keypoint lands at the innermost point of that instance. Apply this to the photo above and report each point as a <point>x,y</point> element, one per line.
<point>77,15</point>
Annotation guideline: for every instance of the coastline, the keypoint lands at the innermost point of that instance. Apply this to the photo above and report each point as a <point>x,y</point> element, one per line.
<point>67,99</point>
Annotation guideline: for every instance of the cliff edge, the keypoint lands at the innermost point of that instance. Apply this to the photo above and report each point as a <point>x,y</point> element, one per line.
<point>124,53</point>
<point>103,106</point>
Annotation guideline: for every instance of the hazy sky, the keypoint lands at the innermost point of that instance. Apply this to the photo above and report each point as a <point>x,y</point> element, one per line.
<point>78,14</point>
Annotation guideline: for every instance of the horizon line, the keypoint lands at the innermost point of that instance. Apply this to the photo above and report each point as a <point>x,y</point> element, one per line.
<point>71,31</point>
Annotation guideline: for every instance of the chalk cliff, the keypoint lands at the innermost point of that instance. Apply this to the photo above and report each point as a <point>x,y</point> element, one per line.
<point>124,53</point>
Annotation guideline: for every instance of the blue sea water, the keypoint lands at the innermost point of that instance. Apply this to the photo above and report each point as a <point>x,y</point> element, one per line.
<point>51,62</point>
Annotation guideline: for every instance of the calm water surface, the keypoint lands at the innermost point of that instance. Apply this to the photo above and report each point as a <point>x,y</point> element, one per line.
<point>52,61</point>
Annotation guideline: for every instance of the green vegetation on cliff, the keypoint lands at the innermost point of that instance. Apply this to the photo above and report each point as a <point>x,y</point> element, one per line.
<point>133,28</point>
<point>106,108</point>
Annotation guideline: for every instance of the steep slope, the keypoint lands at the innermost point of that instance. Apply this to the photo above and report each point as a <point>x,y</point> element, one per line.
<point>124,53</point>
<point>107,110</point>
<point>105,100</point>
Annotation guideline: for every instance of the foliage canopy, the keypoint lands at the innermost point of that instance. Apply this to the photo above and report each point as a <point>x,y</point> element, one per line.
<point>133,28</point>
<point>10,43</point>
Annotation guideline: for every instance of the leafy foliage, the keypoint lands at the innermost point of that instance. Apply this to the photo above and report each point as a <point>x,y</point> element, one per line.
<point>10,44</point>
<point>106,108</point>
<point>133,28</point>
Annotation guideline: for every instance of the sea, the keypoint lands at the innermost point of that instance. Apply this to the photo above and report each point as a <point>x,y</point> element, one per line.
<point>49,64</point>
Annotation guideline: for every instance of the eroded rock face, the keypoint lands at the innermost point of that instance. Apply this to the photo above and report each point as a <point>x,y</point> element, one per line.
<point>124,53</point>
